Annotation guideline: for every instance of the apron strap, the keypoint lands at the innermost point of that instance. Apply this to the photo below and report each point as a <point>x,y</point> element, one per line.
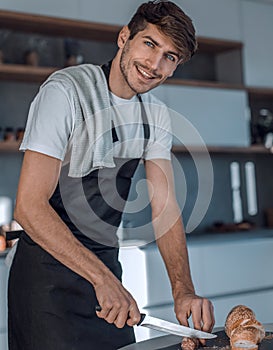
<point>146,127</point>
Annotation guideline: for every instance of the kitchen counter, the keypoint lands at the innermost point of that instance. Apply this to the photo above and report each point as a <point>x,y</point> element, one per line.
<point>228,268</point>
<point>215,237</point>
<point>201,237</point>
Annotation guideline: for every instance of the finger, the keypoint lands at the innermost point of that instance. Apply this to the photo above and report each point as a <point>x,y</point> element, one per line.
<point>134,315</point>
<point>208,316</point>
<point>197,317</point>
<point>183,317</point>
<point>115,311</point>
<point>121,318</point>
<point>197,314</point>
<point>104,309</point>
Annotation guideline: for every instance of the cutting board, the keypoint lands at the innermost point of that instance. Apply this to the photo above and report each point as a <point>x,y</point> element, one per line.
<point>220,343</point>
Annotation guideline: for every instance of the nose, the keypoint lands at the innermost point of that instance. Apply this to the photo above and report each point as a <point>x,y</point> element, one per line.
<point>154,61</point>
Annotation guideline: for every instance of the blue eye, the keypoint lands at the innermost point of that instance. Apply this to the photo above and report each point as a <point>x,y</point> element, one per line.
<point>170,57</point>
<point>148,43</point>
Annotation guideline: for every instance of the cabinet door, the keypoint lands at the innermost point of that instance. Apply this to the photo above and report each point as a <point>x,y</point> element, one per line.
<point>60,8</point>
<point>257,22</point>
<point>260,303</point>
<point>219,115</point>
<point>236,267</point>
<point>215,18</point>
<point>3,294</point>
<point>3,341</point>
<point>119,11</point>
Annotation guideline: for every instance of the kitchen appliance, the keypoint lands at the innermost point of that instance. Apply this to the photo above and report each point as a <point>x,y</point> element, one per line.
<point>174,343</point>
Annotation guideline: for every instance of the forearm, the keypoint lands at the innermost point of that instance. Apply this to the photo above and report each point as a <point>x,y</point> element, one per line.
<point>171,242</point>
<point>47,229</point>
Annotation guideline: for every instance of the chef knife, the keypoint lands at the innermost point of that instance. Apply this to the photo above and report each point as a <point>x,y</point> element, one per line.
<point>173,328</point>
<point>170,327</point>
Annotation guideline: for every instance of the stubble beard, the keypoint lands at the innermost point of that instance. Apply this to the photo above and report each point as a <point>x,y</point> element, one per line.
<point>122,65</point>
<point>125,73</point>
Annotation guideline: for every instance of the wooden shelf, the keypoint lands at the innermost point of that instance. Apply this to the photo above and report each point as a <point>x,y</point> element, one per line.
<point>61,27</point>
<point>55,26</point>
<point>259,92</point>
<point>9,146</point>
<point>17,72</point>
<point>211,45</point>
<point>224,149</point>
<point>204,83</point>
<point>13,146</point>
<point>24,73</point>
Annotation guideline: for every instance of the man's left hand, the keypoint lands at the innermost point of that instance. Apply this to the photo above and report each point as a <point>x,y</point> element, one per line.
<point>201,310</point>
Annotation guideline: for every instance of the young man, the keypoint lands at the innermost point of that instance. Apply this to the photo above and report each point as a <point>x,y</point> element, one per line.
<point>74,182</point>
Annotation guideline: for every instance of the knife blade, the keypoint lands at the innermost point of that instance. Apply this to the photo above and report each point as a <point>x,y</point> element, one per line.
<point>173,328</point>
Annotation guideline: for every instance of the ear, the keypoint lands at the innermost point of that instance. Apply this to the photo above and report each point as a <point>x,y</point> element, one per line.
<point>123,36</point>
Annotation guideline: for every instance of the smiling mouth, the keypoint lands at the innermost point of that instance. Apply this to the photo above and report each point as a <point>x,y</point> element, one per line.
<point>144,73</point>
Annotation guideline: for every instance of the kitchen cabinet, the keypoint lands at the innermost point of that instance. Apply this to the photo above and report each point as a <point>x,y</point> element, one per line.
<point>106,34</point>
<point>60,8</point>
<point>260,302</point>
<point>213,112</point>
<point>215,18</point>
<point>229,269</point>
<point>257,55</point>
<point>225,15</point>
<point>258,45</point>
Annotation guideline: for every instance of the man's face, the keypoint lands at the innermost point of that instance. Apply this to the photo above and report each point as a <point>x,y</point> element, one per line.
<point>147,60</point>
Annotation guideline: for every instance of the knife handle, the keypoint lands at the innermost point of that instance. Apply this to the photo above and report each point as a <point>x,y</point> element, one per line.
<point>98,308</point>
<point>142,316</point>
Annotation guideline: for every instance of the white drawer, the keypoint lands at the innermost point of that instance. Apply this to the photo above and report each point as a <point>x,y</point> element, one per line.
<point>3,294</point>
<point>235,267</point>
<point>261,303</point>
<point>3,341</point>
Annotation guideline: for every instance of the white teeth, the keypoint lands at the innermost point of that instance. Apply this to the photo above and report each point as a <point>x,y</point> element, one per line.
<point>144,73</point>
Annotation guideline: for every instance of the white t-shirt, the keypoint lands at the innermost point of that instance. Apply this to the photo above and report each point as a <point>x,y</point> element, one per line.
<point>51,122</point>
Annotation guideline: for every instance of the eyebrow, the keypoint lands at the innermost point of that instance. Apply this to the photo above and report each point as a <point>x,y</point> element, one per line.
<point>157,44</point>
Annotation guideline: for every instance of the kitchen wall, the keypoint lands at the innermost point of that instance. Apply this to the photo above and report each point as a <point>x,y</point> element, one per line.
<point>220,207</point>
<point>213,18</point>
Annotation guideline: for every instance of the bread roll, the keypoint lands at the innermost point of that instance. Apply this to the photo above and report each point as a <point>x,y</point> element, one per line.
<point>244,331</point>
<point>189,343</point>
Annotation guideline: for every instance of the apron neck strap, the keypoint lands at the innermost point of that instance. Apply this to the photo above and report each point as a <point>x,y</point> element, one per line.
<point>146,128</point>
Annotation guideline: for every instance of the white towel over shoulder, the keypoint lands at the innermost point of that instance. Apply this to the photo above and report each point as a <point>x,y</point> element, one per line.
<point>92,146</point>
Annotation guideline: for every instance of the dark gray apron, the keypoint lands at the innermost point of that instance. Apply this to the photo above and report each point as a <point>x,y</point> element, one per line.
<point>50,306</point>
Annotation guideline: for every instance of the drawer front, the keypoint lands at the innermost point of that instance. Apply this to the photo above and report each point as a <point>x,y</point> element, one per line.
<point>236,267</point>
<point>3,294</point>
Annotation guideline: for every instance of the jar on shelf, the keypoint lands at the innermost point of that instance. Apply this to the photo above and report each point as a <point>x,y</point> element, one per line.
<point>31,58</point>
<point>9,134</point>
<point>1,134</point>
<point>20,134</point>
<point>1,57</point>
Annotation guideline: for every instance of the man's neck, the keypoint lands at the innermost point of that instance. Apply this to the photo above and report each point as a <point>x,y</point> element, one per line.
<point>117,83</point>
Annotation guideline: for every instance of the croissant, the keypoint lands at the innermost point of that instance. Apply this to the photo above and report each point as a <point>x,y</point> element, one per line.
<point>242,328</point>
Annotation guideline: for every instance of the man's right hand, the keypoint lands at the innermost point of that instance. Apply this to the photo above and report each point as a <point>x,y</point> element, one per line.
<point>117,304</point>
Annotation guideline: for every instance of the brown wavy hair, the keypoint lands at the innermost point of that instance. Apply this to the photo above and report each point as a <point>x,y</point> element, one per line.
<point>171,20</point>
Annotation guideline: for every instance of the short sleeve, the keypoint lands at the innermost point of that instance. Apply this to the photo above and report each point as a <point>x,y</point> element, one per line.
<point>160,142</point>
<point>50,122</point>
